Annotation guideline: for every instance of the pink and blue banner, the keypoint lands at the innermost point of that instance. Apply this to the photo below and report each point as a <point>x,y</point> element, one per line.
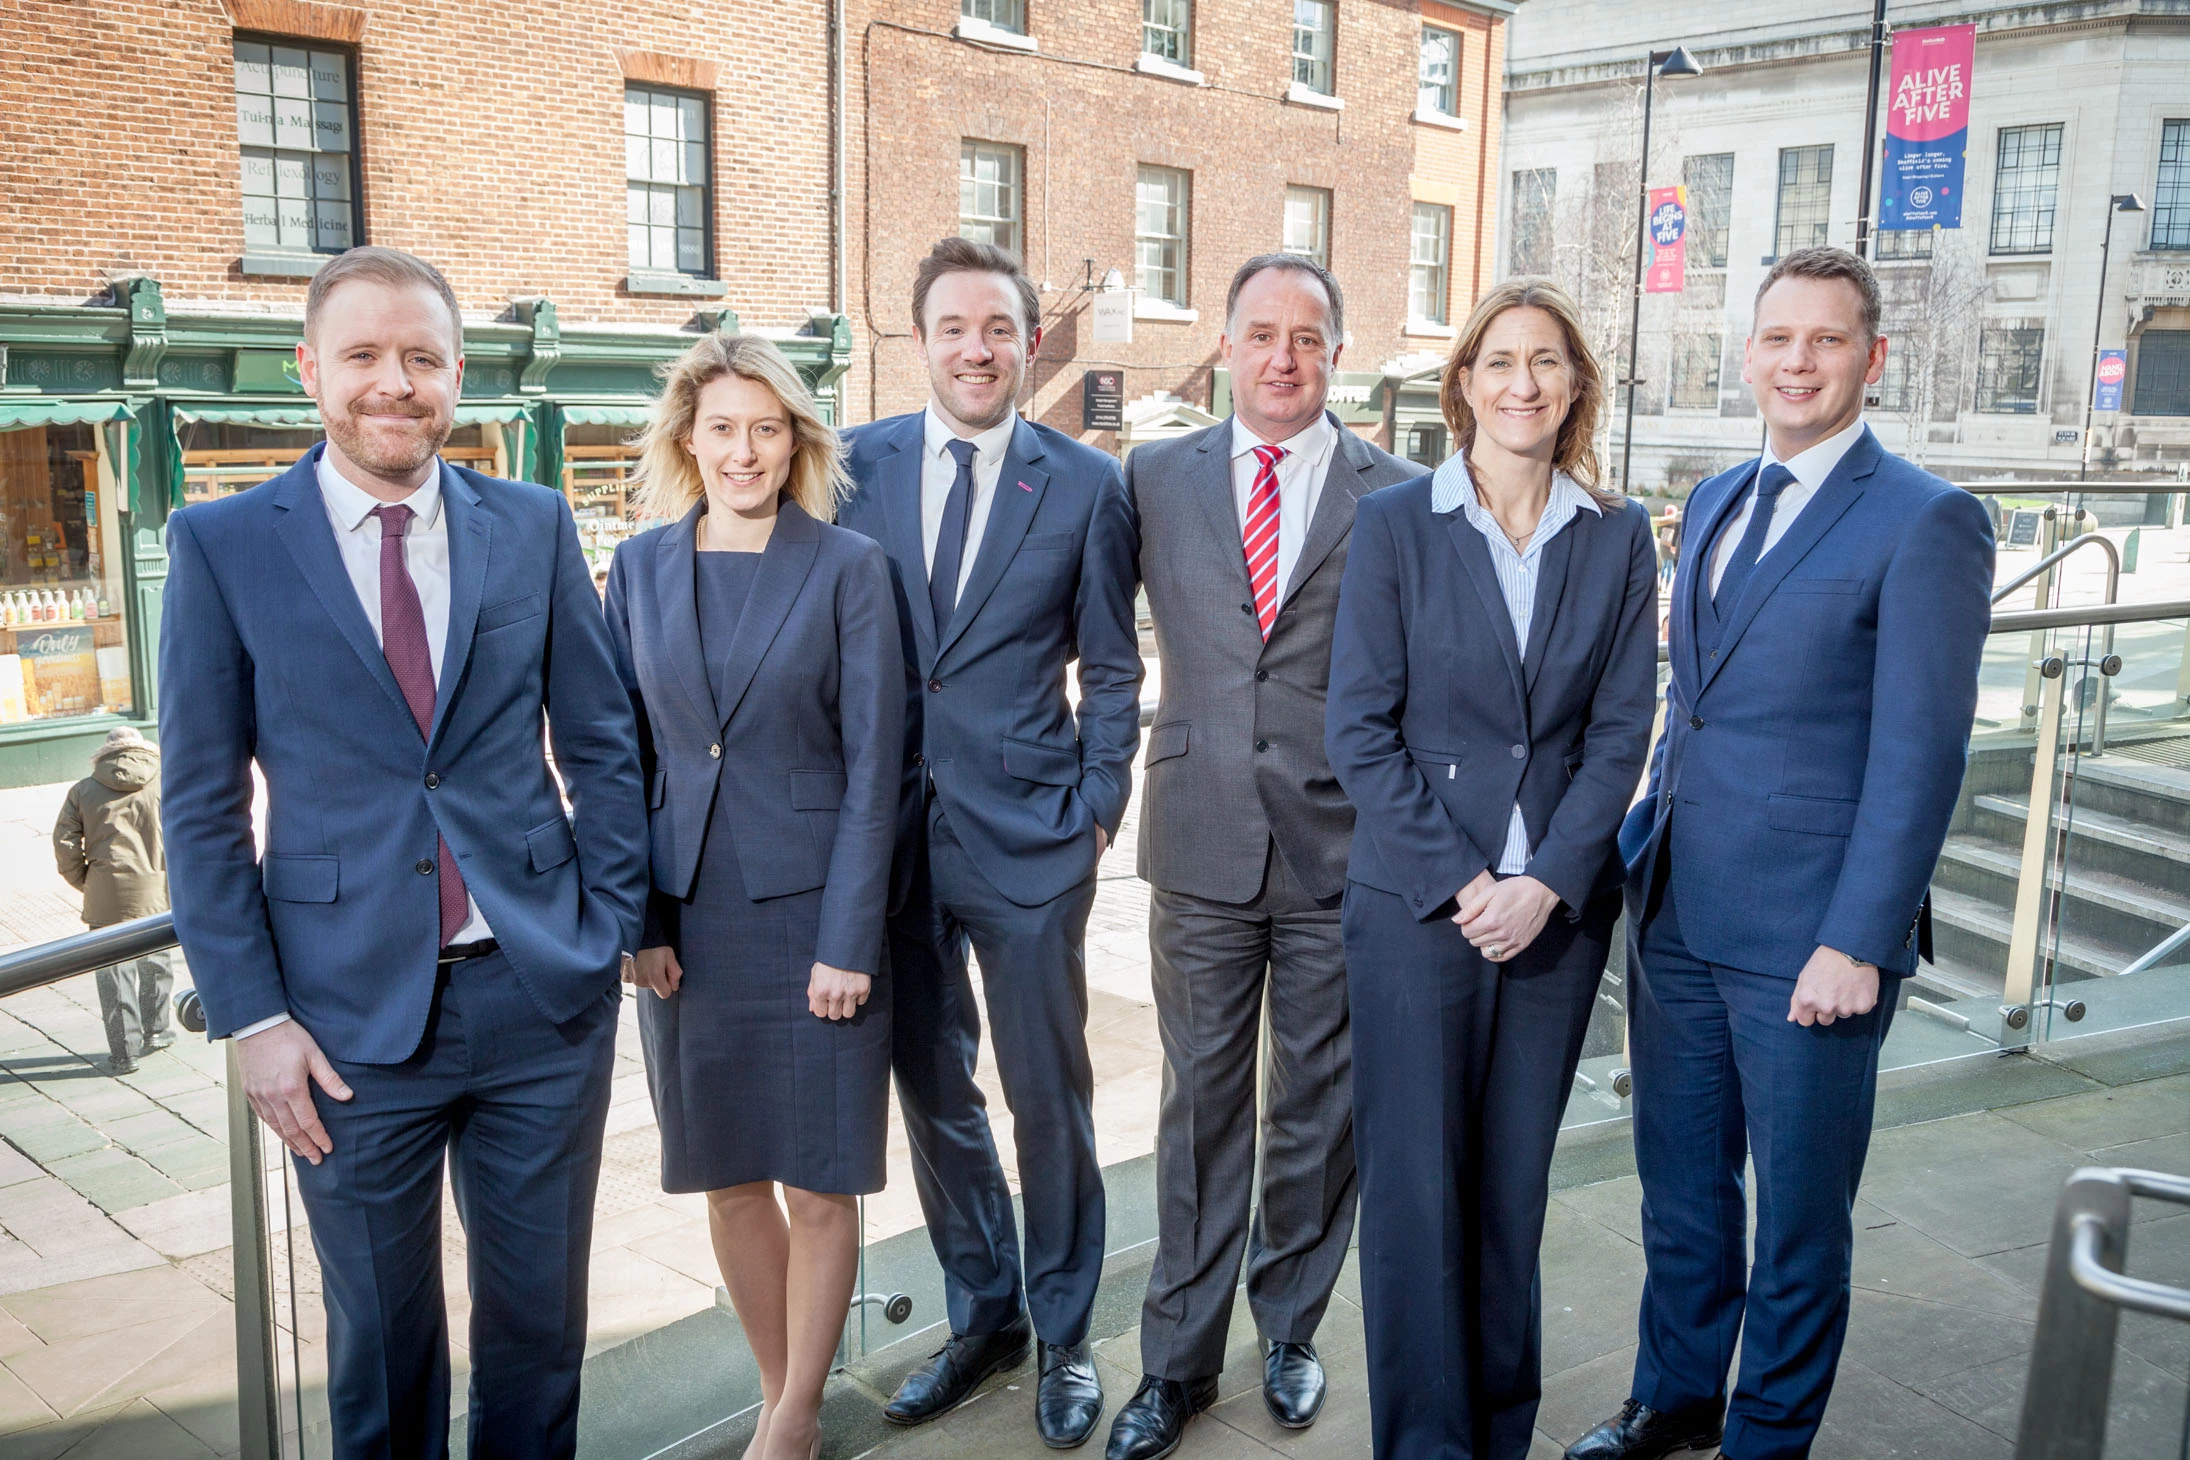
<point>1927,128</point>
<point>2106,393</point>
<point>1668,263</point>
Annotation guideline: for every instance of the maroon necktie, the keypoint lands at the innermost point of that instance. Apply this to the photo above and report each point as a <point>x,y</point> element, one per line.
<point>403,640</point>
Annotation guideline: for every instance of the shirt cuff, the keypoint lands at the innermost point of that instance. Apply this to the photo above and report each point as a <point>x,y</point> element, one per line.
<point>259,1028</point>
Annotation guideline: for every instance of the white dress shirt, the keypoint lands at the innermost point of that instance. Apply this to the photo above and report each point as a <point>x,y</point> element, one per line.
<point>938,469</point>
<point>1810,467</point>
<point>1452,488</point>
<point>426,555</point>
<point>1300,474</point>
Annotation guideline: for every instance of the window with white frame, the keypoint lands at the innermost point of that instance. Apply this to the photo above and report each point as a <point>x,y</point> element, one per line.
<point>1315,30</point>
<point>1805,198</point>
<point>2163,374</point>
<point>2171,188</point>
<point>1167,30</point>
<point>1695,372</point>
<point>1709,179</point>
<point>1308,223</point>
<point>295,121</point>
<point>1429,267</point>
<point>666,171</point>
<point>1535,198</point>
<point>1008,15</point>
<point>1160,203</point>
<point>989,194</point>
<point>1902,243</point>
<point>2025,186</point>
<point>1438,81</point>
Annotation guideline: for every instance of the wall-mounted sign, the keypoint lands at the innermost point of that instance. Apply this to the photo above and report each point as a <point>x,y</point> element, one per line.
<point>1110,315</point>
<point>1927,128</point>
<point>1102,400</point>
<point>267,372</point>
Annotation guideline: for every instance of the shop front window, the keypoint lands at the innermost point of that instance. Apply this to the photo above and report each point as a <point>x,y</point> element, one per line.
<point>64,640</point>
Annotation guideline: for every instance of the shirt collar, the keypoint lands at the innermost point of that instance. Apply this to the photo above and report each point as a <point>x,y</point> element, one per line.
<point>1452,488</point>
<point>1312,443</point>
<point>1813,466</point>
<point>989,445</point>
<point>352,505</point>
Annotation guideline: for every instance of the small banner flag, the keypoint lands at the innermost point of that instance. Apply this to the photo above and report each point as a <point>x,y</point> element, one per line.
<point>1668,241</point>
<point>1927,128</point>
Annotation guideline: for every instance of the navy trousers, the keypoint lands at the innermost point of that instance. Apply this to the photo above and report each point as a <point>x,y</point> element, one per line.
<point>1034,975</point>
<point>1461,1072</point>
<point>517,1106</point>
<point>1722,1076</point>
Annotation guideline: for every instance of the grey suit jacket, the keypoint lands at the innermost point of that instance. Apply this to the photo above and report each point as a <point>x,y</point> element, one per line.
<point>1235,757</point>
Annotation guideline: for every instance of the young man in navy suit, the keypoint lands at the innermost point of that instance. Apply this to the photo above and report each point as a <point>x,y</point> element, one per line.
<point>422,964</point>
<point>1013,548</point>
<point>1827,621</point>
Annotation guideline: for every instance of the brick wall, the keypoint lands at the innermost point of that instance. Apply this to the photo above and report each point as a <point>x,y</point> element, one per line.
<point>1085,120</point>
<point>491,144</point>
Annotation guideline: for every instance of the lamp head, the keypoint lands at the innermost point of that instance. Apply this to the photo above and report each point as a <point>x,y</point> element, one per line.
<point>2128,203</point>
<point>1678,62</point>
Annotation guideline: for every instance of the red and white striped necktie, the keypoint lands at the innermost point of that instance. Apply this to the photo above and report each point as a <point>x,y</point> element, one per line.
<point>1261,536</point>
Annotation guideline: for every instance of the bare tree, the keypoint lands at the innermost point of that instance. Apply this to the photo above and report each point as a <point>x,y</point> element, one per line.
<point>1933,309</point>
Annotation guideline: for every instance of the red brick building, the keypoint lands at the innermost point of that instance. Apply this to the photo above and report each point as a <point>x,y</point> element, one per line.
<point>600,183</point>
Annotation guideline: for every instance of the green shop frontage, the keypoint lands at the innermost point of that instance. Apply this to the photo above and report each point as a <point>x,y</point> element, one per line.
<point>1397,406</point>
<point>114,414</point>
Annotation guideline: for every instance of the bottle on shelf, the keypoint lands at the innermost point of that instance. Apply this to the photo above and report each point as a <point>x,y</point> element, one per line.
<point>105,609</point>
<point>76,606</point>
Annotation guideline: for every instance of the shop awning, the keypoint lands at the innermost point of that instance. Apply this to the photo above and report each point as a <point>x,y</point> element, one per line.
<point>247,415</point>
<point>477,413</point>
<point>19,415</point>
<point>608,415</point>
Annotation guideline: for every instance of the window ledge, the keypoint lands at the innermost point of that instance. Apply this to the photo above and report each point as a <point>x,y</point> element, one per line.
<point>980,32</point>
<point>643,281</point>
<point>1301,95</point>
<point>1149,65</point>
<point>1163,309</point>
<point>1430,328</point>
<point>276,265</point>
<point>1430,118</point>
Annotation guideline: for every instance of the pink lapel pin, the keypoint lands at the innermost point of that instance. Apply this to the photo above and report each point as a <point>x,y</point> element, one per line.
<point>1024,487</point>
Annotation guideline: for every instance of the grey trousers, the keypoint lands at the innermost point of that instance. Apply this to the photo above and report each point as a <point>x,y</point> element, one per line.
<point>1214,964</point>
<point>133,1002</point>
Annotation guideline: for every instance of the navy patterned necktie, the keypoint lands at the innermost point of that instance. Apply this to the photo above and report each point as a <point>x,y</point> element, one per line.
<point>1773,480</point>
<point>950,543</point>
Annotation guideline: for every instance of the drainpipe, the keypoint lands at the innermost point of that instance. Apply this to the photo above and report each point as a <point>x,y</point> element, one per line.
<point>837,289</point>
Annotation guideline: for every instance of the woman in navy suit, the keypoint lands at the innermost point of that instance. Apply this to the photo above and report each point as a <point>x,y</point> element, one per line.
<point>1492,676</point>
<point>759,645</point>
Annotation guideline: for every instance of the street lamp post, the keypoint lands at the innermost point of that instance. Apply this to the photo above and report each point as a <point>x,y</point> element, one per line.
<point>1676,62</point>
<point>2119,203</point>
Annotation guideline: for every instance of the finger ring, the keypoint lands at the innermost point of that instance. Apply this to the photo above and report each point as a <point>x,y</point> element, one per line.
<point>1492,952</point>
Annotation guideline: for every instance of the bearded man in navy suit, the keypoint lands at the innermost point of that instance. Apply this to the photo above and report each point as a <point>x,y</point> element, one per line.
<point>1827,622</point>
<point>422,964</point>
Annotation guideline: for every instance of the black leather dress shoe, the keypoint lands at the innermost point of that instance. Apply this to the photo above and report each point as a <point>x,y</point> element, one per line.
<point>1639,1432</point>
<point>954,1371</point>
<point>1292,1384</point>
<point>1069,1398</point>
<point>1154,1419</point>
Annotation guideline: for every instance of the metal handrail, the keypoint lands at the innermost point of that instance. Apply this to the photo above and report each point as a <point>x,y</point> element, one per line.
<point>258,1385</point>
<point>2088,489</point>
<point>2090,615</point>
<point>2160,950</point>
<point>2080,1307</point>
<point>2113,565</point>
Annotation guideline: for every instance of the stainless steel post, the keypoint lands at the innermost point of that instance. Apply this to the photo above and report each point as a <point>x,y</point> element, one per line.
<point>258,1386</point>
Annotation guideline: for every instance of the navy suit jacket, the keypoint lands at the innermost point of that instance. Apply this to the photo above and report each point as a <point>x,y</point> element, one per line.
<point>1811,762</point>
<point>266,655</point>
<point>1437,725</point>
<point>1025,776</point>
<point>808,746</point>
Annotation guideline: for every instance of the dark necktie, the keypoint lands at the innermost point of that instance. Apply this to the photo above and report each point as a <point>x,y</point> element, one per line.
<point>950,543</point>
<point>1773,480</point>
<point>403,640</point>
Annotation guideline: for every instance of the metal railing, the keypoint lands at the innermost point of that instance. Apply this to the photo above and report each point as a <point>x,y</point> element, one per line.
<point>2079,1310</point>
<point>258,1389</point>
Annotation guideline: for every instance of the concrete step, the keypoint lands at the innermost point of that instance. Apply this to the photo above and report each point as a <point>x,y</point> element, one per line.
<point>2136,848</point>
<point>2111,907</point>
<point>1972,932</point>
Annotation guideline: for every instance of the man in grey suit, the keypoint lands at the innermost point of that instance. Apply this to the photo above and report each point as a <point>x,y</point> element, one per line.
<point>1243,541</point>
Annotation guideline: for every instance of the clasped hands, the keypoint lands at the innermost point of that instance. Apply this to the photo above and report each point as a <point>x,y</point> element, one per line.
<point>1502,915</point>
<point>831,993</point>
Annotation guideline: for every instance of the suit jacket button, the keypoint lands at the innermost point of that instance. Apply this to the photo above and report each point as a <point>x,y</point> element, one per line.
<point>432,780</point>
<point>1261,675</point>
<point>714,752</point>
<point>1247,608</point>
<point>1695,722</point>
<point>1520,752</point>
<point>919,759</point>
<point>1262,745</point>
<point>423,866</point>
<point>935,686</point>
